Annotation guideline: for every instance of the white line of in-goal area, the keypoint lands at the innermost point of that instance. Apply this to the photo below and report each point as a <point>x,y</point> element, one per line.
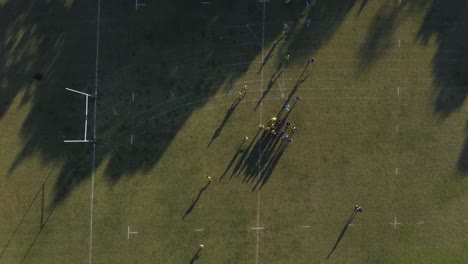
<point>94,132</point>
<point>138,4</point>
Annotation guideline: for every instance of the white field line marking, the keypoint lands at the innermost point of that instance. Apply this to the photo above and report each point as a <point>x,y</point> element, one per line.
<point>115,112</point>
<point>258,223</point>
<point>172,93</point>
<point>396,171</point>
<point>395,223</point>
<point>131,139</point>
<point>281,90</point>
<point>94,133</point>
<point>260,143</point>
<point>229,86</point>
<point>305,226</point>
<point>247,43</point>
<point>240,63</point>
<point>199,230</point>
<point>420,222</point>
<point>130,232</point>
<point>282,77</point>
<point>86,118</point>
<point>399,43</point>
<point>261,46</point>
<point>204,3</point>
<point>253,34</point>
<point>133,97</point>
<point>138,4</point>
<point>398,91</point>
<point>257,228</point>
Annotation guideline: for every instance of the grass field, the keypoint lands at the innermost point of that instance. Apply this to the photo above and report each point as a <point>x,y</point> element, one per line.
<point>382,124</point>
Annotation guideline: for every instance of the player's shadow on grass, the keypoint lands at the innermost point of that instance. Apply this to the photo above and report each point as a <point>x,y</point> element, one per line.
<point>240,150</point>
<point>301,79</point>
<point>279,71</point>
<point>269,54</point>
<point>195,200</point>
<point>343,231</point>
<point>229,112</point>
<point>196,256</point>
<point>363,5</point>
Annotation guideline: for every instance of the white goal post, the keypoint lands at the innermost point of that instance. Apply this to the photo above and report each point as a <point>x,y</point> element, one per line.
<point>86,119</point>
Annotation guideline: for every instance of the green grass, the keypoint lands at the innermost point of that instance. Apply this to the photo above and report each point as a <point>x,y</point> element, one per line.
<point>346,151</point>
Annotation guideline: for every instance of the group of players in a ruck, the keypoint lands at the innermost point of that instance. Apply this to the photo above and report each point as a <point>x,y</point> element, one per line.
<point>281,128</point>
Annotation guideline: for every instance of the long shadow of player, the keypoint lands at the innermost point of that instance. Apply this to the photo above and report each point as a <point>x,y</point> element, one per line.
<point>226,118</point>
<point>196,256</point>
<point>272,81</point>
<point>343,231</point>
<point>267,57</point>
<point>270,166</point>
<point>264,151</point>
<point>299,81</point>
<point>194,201</point>
<point>363,4</point>
<point>239,151</point>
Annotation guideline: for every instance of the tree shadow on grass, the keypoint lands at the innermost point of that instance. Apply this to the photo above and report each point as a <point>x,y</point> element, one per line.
<point>380,37</point>
<point>35,43</point>
<point>150,80</point>
<point>326,16</point>
<point>446,21</point>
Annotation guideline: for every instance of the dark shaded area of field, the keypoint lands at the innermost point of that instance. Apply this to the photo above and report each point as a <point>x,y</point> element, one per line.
<point>447,21</point>
<point>172,57</point>
<point>169,54</point>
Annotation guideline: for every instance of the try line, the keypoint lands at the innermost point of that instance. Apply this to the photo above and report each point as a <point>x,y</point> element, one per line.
<point>94,133</point>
